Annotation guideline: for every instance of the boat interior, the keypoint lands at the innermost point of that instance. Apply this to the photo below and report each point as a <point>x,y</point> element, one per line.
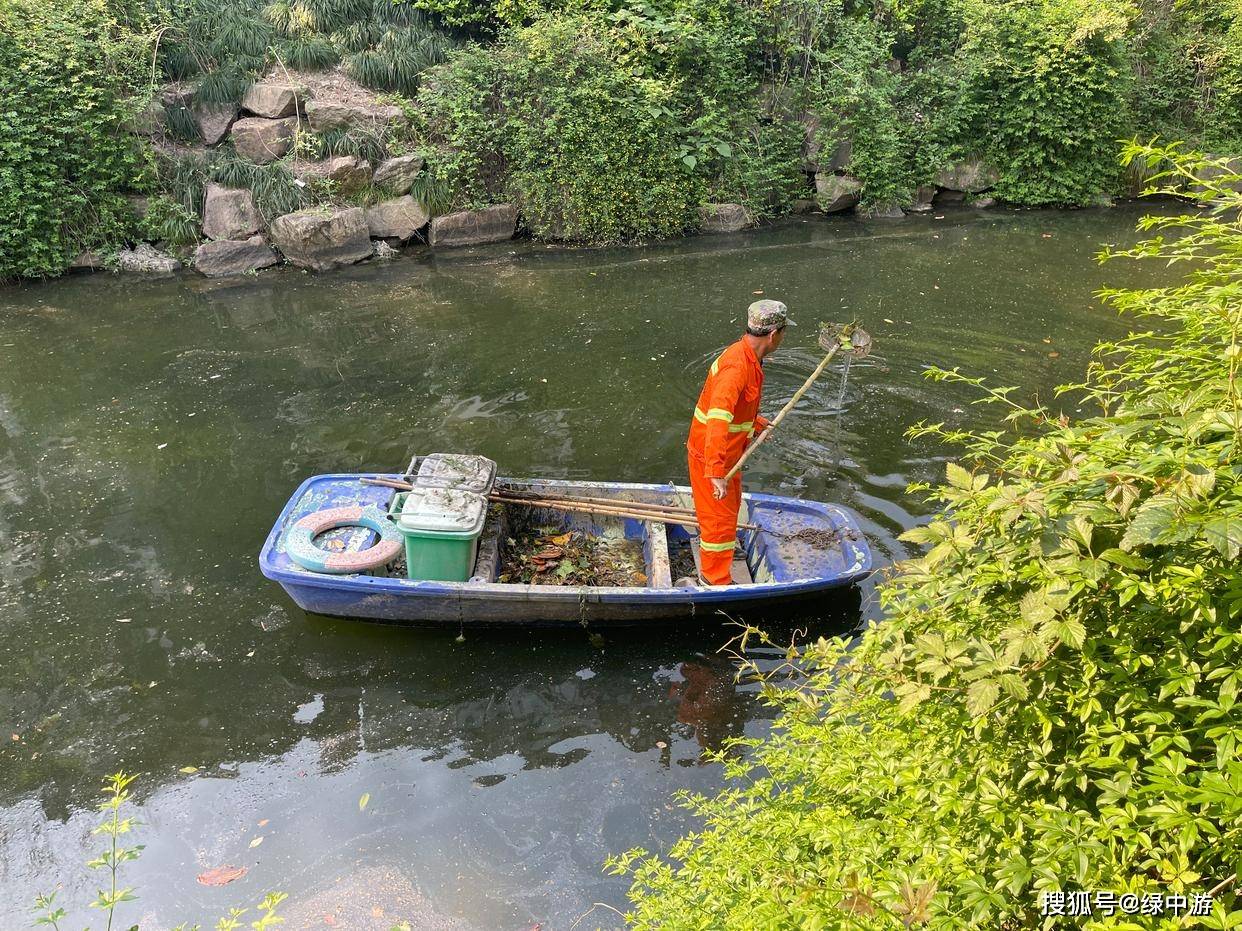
<point>770,553</point>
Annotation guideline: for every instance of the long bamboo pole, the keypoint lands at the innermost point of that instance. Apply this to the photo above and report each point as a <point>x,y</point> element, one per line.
<point>612,507</point>
<point>608,502</point>
<point>601,510</point>
<point>536,496</point>
<point>819,370</point>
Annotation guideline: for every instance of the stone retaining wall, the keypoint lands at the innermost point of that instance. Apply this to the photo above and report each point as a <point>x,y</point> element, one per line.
<point>238,239</point>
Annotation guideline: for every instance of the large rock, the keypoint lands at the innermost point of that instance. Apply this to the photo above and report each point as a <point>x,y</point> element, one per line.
<point>971,176</point>
<point>723,218</point>
<point>234,257</point>
<point>1221,171</point>
<point>87,261</point>
<point>813,156</point>
<point>323,239</point>
<point>348,173</point>
<point>229,213</point>
<point>272,101</point>
<point>472,227</point>
<point>147,121</point>
<point>883,212</point>
<point>923,198</point>
<point>139,204</point>
<point>836,193</point>
<point>146,259</point>
<point>840,158</point>
<point>262,140</point>
<point>810,142</point>
<point>214,120</point>
<point>397,174</point>
<point>336,114</point>
<point>399,218</point>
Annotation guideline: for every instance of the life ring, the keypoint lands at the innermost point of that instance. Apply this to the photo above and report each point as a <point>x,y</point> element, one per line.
<point>300,544</point>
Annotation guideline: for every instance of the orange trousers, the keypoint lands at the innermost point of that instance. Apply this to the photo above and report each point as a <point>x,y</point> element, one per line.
<point>717,523</point>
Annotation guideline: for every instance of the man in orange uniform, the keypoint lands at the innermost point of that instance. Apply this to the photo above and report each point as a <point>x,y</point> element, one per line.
<point>726,417</point>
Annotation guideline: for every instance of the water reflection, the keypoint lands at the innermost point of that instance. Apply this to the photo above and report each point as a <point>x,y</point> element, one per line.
<point>149,432</point>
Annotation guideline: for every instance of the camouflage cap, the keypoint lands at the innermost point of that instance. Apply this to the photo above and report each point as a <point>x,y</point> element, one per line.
<point>765,316</point>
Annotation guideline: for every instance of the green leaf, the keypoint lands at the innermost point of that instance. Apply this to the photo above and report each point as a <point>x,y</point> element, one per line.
<point>364,801</point>
<point>1225,534</point>
<point>1069,630</point>
<point>918,535</point>
<point>1034,607</point>
<point>959,477</point>
<point>1150,521</point>
<point>1122,558</point>
<point>981,695</point>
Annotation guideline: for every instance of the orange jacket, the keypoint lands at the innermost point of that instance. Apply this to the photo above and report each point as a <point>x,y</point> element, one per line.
<point>727,413</point>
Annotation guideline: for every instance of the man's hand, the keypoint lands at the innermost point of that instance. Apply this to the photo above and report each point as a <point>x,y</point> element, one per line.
<point>720,488</point>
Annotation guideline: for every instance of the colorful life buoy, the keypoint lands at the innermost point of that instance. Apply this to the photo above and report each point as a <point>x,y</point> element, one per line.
<point>300,543</point>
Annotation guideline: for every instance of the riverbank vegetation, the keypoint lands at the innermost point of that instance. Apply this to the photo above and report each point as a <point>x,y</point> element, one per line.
<point>1051,704</point>
<point>599,120</point>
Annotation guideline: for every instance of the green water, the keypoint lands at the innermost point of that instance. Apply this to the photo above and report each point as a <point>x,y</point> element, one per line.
<point>151,430</point>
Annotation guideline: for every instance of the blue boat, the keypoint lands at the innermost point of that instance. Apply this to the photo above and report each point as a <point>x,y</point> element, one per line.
<point>796,550</point>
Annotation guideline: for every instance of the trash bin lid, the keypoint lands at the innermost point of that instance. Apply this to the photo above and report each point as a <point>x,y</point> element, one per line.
<point>443,510</point>
<point>457,470</point>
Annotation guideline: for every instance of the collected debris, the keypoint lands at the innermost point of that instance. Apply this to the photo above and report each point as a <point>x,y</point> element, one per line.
<point>540,555</point>
<point>681,559</point>
<point>820,539</point>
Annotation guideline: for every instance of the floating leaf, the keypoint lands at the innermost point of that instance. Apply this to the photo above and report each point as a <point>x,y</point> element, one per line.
<point>364,801</point>
<point>221,875</point>
<point>257,841</point>
<point>188,770</point>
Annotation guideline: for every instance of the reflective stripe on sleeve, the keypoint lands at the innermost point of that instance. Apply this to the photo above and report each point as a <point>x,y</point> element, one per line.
<point>716,414</point>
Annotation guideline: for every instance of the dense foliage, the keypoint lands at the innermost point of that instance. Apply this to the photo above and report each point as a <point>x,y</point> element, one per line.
<point>1052,702</point>
<point>65,70</point>
<point>1041,90</point>
<point>617,119</point>
<point>595,135</point>
<point>1056,77</point>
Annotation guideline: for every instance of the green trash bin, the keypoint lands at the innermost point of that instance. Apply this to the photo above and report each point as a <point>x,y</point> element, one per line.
<point>441,527</point>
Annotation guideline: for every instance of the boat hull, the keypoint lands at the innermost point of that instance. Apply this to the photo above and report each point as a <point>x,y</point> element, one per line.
<point>484,603</point>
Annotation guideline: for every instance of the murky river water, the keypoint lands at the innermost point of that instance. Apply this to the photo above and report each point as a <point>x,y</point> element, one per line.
<point>150,432</point>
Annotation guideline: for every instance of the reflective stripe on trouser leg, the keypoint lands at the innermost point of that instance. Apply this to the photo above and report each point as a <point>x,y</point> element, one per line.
<point>717,523</point>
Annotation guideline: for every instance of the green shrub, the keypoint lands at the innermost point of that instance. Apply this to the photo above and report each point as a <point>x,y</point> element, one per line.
<point>168,220</point>
<point>65,68</point>
<point>1053,78</point>
<point>857,100</point>
<point>763,169</point>
<point>593,149</point>
<point>1051,702</point>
